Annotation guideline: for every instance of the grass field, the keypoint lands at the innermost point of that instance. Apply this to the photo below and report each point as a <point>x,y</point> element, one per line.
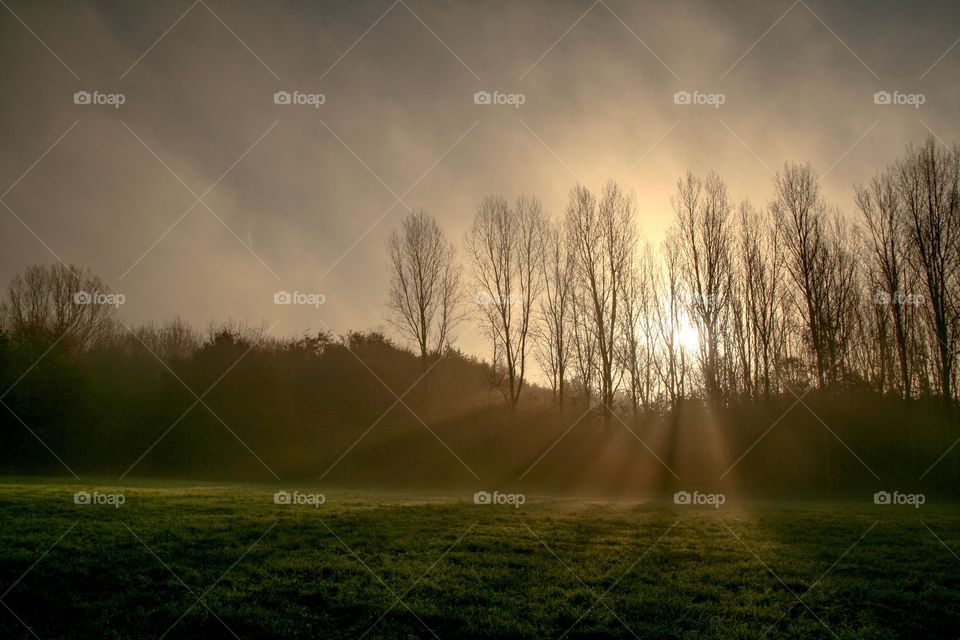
<point>222,561</point>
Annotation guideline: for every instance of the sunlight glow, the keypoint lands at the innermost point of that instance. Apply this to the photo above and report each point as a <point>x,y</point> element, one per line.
<point>687,334</point>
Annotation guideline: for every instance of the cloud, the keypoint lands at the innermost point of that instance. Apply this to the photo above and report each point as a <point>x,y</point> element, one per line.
<point>597,103</point>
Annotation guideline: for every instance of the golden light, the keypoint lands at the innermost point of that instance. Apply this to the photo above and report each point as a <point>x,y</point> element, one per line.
<point>687,334</point>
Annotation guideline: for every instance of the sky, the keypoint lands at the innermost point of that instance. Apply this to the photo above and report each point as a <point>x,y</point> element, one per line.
<point>146,142</point>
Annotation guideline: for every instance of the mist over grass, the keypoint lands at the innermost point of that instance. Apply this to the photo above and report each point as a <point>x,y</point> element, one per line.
<point>551,567</point>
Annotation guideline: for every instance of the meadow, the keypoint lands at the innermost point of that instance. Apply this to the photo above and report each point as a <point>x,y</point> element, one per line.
<point>205,560</point>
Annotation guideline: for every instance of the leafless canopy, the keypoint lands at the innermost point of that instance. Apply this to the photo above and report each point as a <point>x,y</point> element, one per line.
<point>506,248</point>
<point>602,236</point>
<point>58,300</point>
<point>425,283</point>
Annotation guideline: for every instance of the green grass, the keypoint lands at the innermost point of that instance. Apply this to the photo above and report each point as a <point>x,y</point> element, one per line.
<point>552,567</point>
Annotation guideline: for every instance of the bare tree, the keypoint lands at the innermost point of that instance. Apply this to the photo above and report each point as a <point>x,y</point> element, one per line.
<point>506,249</point>
<point>555,311</point>
<point>584,344</point>
<point>668,306</point>
<point>425,284</point>
<point>885,221</point>
<point>702,208</point>
<point>648,281</point>
<point>803,221</point>
<point>602,238</point>
<point>762,301</point>
<point>60,301</point>
<point>930,189</point>
<point>630,351</point>
<point>638,344</point>
<point>842,297</point>
<point>762,290</point>
<point>171,340</point>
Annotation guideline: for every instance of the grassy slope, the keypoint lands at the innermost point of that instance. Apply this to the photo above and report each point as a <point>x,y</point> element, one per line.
<point>333,572</point>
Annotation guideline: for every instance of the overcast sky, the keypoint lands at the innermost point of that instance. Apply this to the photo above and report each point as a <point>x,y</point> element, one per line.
<point>302,197</point>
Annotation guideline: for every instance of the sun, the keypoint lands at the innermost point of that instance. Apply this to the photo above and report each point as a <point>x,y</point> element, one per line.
<point>687,334</point>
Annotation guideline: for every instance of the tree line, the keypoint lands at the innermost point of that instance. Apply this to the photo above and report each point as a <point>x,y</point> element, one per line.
<point>715,329</point>
<point>81,391</point>
<point>737,302</point>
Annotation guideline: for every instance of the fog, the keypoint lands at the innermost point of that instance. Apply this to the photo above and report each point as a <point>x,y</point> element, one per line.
<point>302,198</point>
